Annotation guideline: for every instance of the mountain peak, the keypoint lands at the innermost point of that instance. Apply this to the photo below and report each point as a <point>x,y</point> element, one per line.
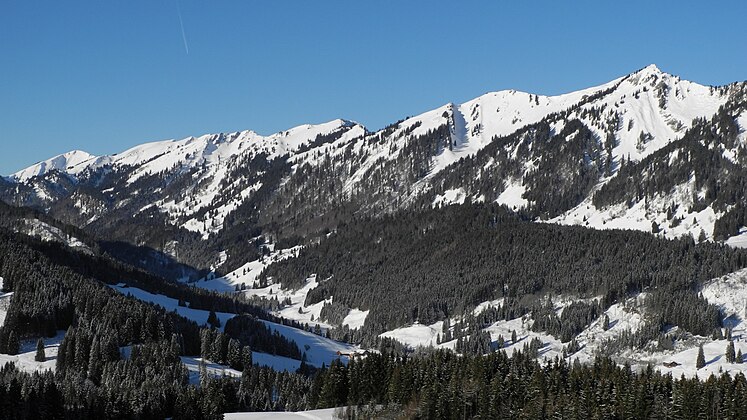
<point>59,162</point>
<point>652,70</point>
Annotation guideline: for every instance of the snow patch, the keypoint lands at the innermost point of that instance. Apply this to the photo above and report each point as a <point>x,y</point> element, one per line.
<point>355,318</point>
<point>512,196</point>
<point>453,196</point>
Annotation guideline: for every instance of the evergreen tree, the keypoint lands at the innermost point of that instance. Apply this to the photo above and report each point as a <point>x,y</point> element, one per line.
<point>739,358</point>
<point>606,323</point>
<point>40,356</point>
<point>730,355</point>
<point>700,361</point>
<point>234,354</point>
<point>213,320</point>
<point>94,360</point>
<point>13,344</point>
<point>246,357</point>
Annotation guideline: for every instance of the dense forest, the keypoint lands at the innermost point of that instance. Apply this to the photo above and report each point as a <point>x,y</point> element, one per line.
<point>436,385</point>
<point>431,265</point>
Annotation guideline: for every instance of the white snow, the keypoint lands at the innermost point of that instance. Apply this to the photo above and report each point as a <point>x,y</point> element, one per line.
<point>24,360</point>
<point>512,196</point>
<point>246,274</point>
<point>739,240</point>
<point>4,303</point>
<point>416,335</point>
<point>278,363</point>
<point>641,215</point>
<point>355,318</point>
<point>60,162</point>
<point>453,196</point>
<point>728,292</point>
<point>323,414</point>
<point>27,351</point>
<point>319,350</point>
<point>213,369</point>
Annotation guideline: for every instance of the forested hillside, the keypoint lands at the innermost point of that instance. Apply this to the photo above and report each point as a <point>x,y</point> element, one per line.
<point>440,263</point>
<point>120,357</point>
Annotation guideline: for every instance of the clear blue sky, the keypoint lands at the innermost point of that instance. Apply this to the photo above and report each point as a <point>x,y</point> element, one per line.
<point>103,76</point>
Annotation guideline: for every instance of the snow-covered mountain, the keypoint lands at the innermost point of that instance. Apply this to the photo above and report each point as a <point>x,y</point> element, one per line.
<point>66,162</point>
<point>549,156</point>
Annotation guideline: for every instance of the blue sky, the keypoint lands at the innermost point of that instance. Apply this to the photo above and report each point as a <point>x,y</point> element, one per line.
<point>103,76</point>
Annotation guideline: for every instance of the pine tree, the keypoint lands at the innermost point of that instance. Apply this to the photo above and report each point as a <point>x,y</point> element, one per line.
<point>739,356</point>
<point>94,360</point>
<point>206,339</point>
<point>13,343</point>
<point>40,356</point>
<point>655,228</point>
<point>234,354</point>
<point>213,320</point>
<point>730,356</point>
<point>606,323</point>
<point>219,348</point>
<point>204,378</point>
<point>700,361</point>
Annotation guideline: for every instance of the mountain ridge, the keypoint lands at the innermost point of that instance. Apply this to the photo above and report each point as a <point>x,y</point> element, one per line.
<point>543,155</point>
<point>71,159</point>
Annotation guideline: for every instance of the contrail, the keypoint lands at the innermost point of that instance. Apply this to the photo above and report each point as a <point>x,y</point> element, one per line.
<point>181,23</point>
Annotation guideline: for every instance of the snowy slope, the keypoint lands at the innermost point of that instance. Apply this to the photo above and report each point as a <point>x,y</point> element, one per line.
<point>728,292</point>
<point>478,121</point>
<point>246,274</point>
<point>65,163</point>
<point>320,350</point>
<point>24,360</point>
<point>641,215</point>
<point>686,219</point>
<point>48,233</point>
<point>653,102</point>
